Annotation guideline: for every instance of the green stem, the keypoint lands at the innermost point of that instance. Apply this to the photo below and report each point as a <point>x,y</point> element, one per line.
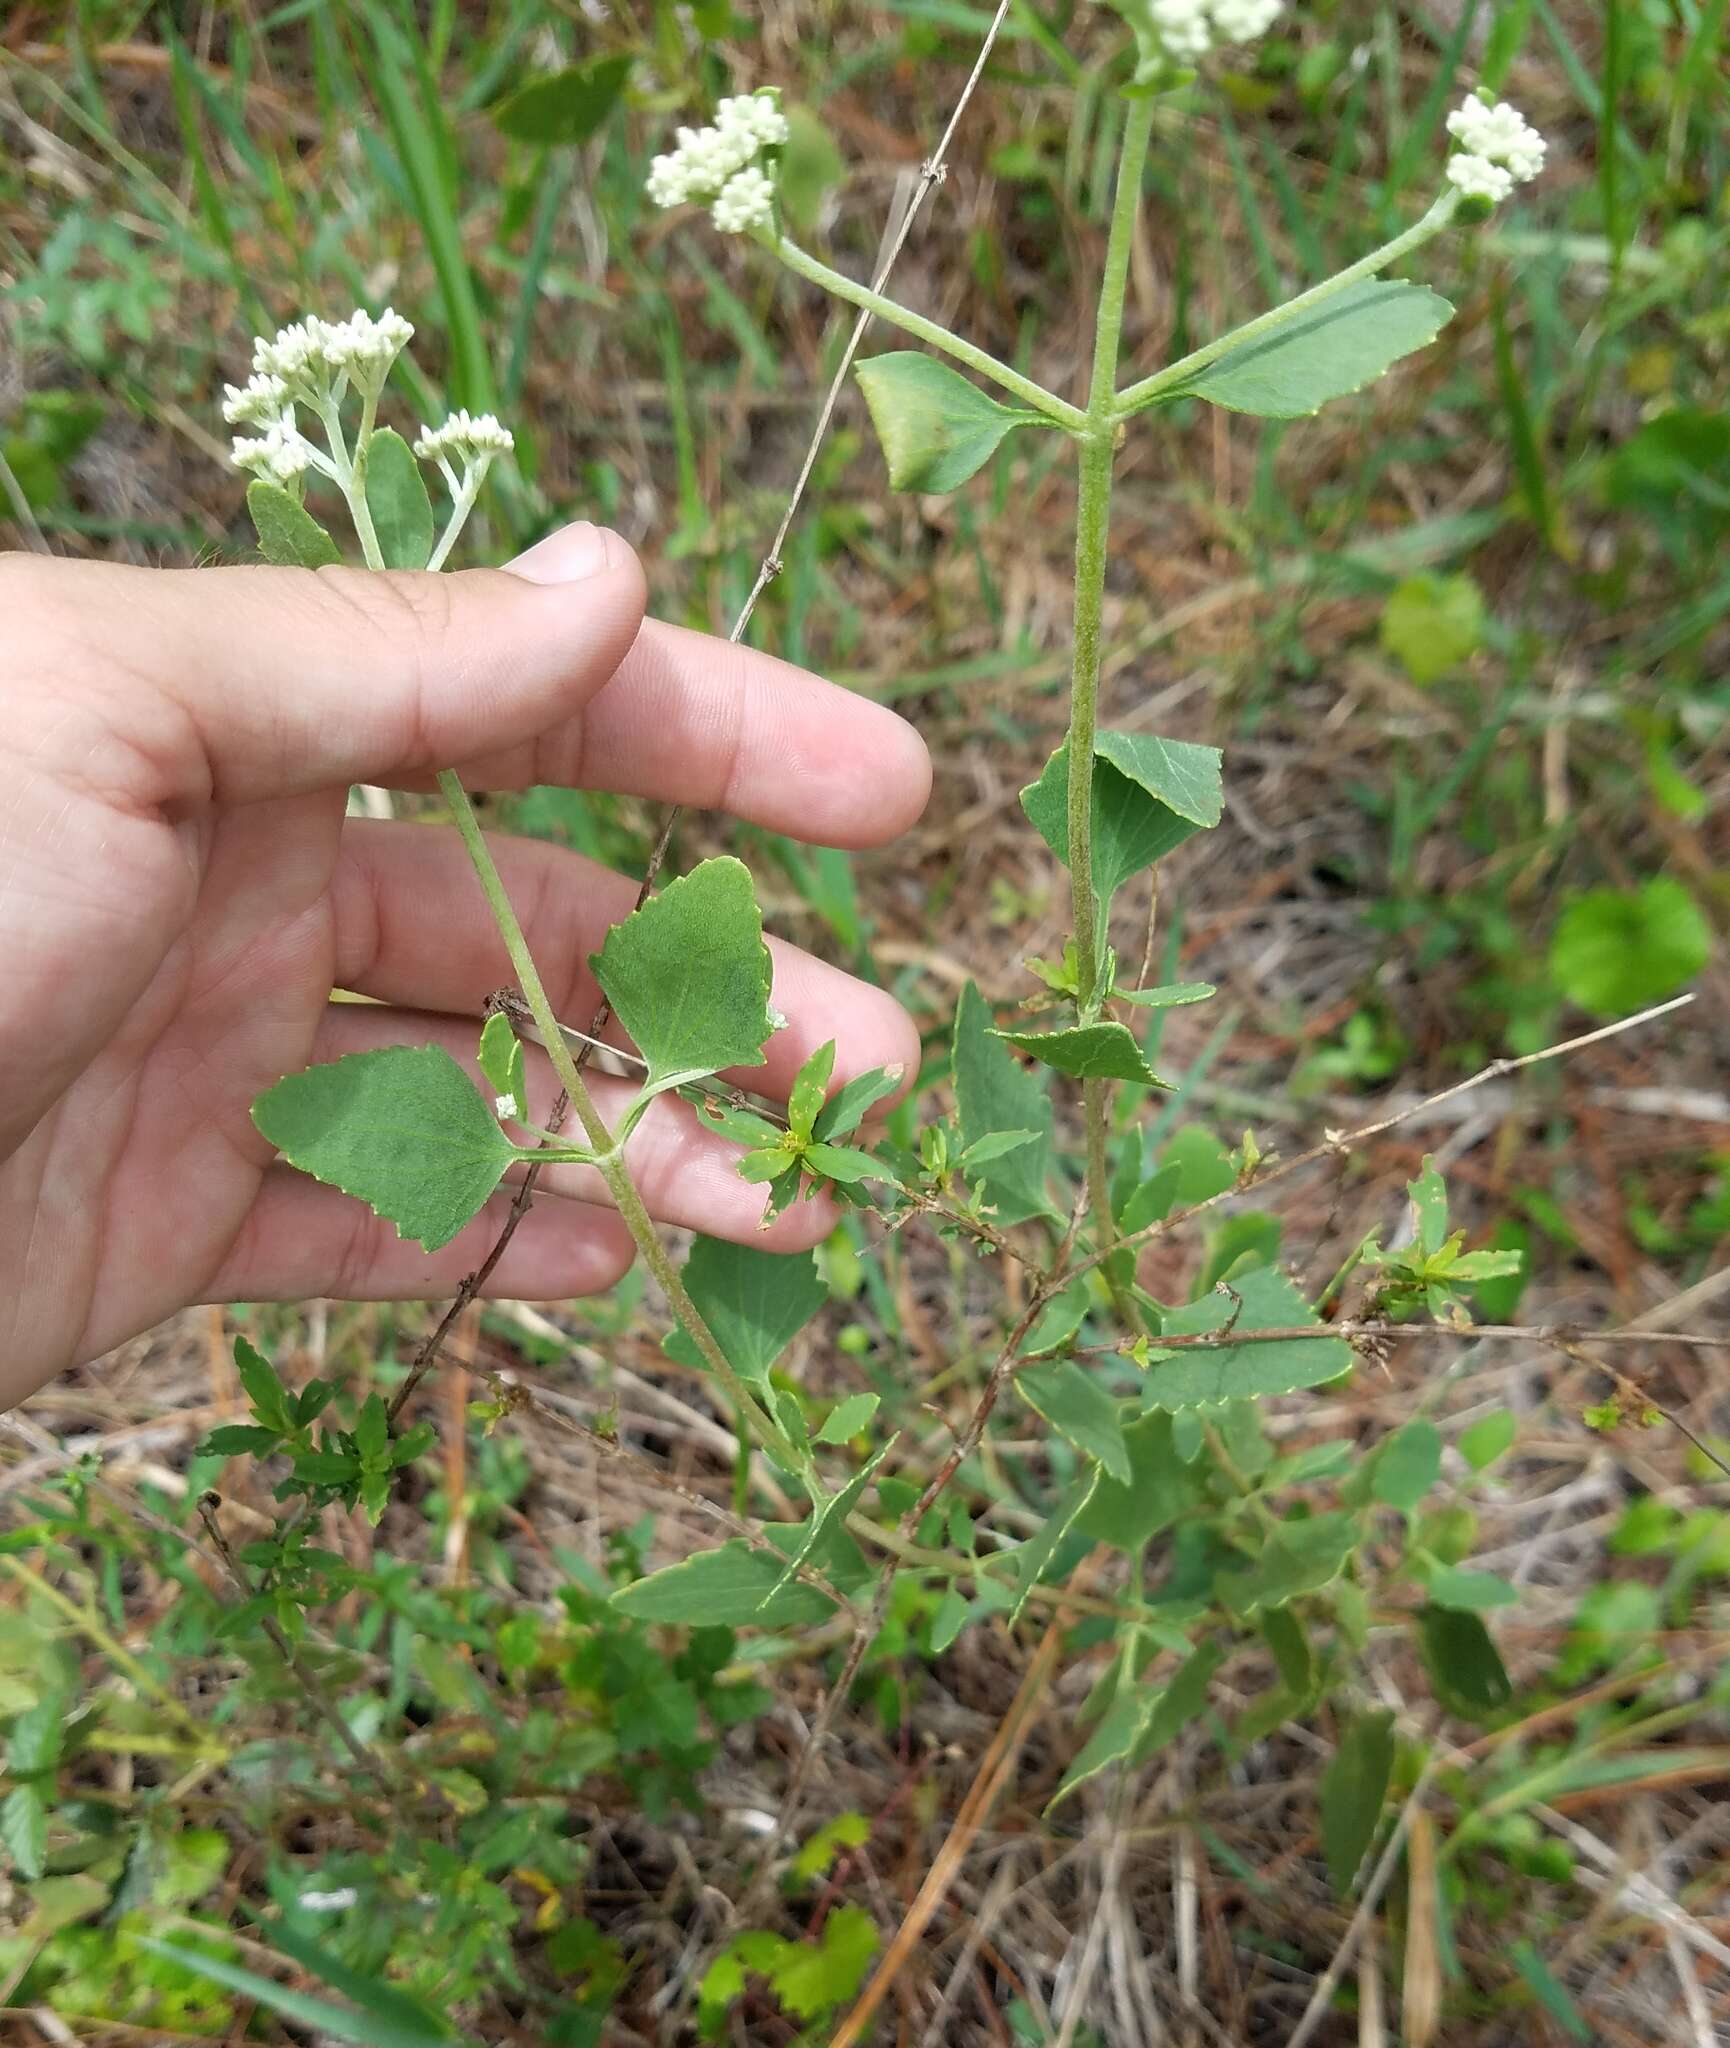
<point>927,331</point>
<point>1135,396</point>
<point>355,487</point>
<point>1092,530</point>
<point>610,1164</point>
<point>462,504</point>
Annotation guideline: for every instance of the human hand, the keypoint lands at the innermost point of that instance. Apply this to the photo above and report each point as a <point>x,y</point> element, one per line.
<point>180,892</point>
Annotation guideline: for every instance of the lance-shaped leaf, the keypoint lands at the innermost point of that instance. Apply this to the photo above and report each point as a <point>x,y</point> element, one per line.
<point>1262,1299</point>
<point>937,430</point>
<point>828,1520</point>
<point>725,1587</point>
<point>1352,1791</point>
<point>995,1093</point>
<point>1037,1555</point>
<point>688,975</point>
<point>404,1129</point>
<point>402,514</point>
<point>1465,1667</point>
<point>1103,1051</point>
<point>288,535</point>
<point>755,1302</point>
<point>1149,795</point>
<point>1328,352</point>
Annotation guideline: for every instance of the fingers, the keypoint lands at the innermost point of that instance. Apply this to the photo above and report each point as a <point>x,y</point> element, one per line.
<point>689,719</point>
<point>685,1174</point>
<point>244,683</point>
<point>414,929</point>
<point>302,1241</point>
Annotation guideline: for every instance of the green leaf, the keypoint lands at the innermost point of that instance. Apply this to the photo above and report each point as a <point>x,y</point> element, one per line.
<point>847,1418</point>
<point>288,535</point>
<point>565,106</point>
<point>501,1059</point>
<point>1486,1441</point>
<point>688,975</point>
<point>238,1440</point>
<point>1353,1790</point>
<point>1617,950</point>
<point>845,1164</point>
<point>1238,1372</point>
<point>1159,1489</point>
<point>373,1995</point>
<point>366,2030</point>
<point>1429,1198</point>
<point>1149,795</point>
<point>263,1387</point>
<point>993,1146</point>
<point>1033,1557</point>
<point>1089,1051</point>
<point>1299,1557</point>
<point>953,1613</point>
<point>1109,1743</point>
<point>810,1085</point>
<point>1548,1989</point>
<point>24,1830</point>
<point>740,1126</point>
<point>1170,997</point>
<point>372,1430</point>
<point>1432,623</point>
<point>1059,1320</point>
<point>1180,1700</point>
<point>848,1107</point>
<point>1468,1592</point>
<point>1336,348</point>
<point>936,429</point>
<point>1285,1637</point>
<point>402,514</point>
<point>1407,1466</point>
<point>1465,1667</point>
<point>811,167</point>
<point>1075,1403</point>
<point>828,1518</point>
<point>811,1978</point>
<point>404,1129</point>
<point>995,1092</point>
<point>846,1831</point>
<point>756,1303</point>
<point>727,1587</point>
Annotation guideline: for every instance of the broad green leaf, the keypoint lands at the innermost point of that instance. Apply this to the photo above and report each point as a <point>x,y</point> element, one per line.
<point>815,1977</point>
<point>1033,1557</point>
<point>1160,1488</point>
<point>24,1830</point>
<point>239,1440</point>
<point>953,1613</point>
<point>1182,1699</point>
<point>846,1164</point>
<point>1149,795</point>
<point>847,1418</point>
<point>1285,1637</point>
<point>810,1085</point>
<point>1468,1592</point>
<point>1238,1372</point>
<point>264,1389</point>
<point>849,1106</point>
<point>1088,1051</point>
<point>1059,1320</point>
<point>936,429</point>
<point>1334,349</point>
<point>1465,1667</point>
<point>1429,1199</point>
<point>1617,950</point>
<point>1072,1401</point>
<point>755,1302</point>
<point>404,1129</point>
<point>396,496</point>
<point>688,975</point>
<point>366,2030</point>
<point>826,1520</point>
<point>1407,1466</point>
<point>849,1830</point>
<point>1169,997</point>
<point>1109,1743</point>
<point>565,106</point>
<point>1431,623</point>
<point>1353,1790</point>
<point>502,1060</point>
<point>724,1588</point>
<point>1298,1557</point>
<point>995,1092</point>
<point>288,535</point>
<point>1486,1441</point>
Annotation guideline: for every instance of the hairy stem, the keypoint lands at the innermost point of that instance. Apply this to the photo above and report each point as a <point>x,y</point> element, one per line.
<point>609,1163</point>
<point>1093,523</point>
<point>1135,396</point>
<point>981,360</point>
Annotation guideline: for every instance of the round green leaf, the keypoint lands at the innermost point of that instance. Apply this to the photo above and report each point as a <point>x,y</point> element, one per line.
<point>1617,950</point>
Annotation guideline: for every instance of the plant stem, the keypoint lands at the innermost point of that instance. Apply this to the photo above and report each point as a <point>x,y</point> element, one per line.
<point>981,360</point>
<point>355,488</point>
<point>1135,396</point>
<point>610,1164</point>
<point>1092,529</point>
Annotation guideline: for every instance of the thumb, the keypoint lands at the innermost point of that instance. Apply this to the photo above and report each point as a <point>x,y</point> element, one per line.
<point>267,682</point>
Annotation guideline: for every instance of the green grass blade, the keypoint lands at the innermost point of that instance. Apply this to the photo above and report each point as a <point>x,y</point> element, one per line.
<point>365,2030</point>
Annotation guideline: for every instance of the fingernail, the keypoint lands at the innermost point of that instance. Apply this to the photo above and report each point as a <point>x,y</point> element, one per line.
<point>569,555</point>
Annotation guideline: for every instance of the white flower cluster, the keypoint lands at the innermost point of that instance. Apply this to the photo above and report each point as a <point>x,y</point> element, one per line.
<point>719,165</point>
<point>469,439</point>
<point>1500,149</point>
<point>305,364</point>
<point>1188,29</point>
